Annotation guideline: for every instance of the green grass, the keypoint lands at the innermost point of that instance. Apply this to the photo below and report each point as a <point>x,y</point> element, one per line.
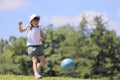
<point>14,77</point>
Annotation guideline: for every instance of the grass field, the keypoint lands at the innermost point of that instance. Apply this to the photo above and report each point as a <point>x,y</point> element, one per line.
<point>14,77</point>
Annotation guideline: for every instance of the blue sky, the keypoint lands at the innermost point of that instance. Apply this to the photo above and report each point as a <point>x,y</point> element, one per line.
<point>56,12</point>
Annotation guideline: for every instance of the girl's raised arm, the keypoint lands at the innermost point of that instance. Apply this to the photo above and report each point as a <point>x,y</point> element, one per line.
<point>20,27</point>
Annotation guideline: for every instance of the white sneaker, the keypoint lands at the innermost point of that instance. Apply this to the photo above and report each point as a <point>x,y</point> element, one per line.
<point>38,68</point>
<point>37,76</point>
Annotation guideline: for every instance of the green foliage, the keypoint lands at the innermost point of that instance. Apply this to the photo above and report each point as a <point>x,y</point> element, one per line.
<point>12,39</point>
<point>7,67</point>
<point>16,57</point>
<point>3,45</point>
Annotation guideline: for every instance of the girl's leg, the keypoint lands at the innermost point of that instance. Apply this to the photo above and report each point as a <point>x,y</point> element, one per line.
<point>34,60</point>
<point>42,60</point>
<point>42,63</point>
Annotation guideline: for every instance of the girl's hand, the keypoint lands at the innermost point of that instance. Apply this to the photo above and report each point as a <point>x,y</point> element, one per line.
<point>41,39</point>
<point>20,23</point>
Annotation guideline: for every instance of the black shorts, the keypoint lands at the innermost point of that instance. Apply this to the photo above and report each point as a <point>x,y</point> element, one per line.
<point>35,50</point>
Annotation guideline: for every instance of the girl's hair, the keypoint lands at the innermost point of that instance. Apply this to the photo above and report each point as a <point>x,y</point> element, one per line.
<point>31,26</point>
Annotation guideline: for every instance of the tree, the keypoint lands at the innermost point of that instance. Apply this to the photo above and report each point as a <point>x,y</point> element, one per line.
<point>12,39</point>
<point>106,41</point>
<point>3,45</point>
<point>20,56</point>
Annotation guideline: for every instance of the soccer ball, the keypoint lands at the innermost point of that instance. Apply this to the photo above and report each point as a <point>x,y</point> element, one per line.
<point>67,65</point>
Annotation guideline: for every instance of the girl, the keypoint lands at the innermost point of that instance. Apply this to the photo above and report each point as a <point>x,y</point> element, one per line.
<point>34,43</point>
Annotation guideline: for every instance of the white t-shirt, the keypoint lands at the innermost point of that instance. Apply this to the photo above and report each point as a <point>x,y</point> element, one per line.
<point>33,36</point>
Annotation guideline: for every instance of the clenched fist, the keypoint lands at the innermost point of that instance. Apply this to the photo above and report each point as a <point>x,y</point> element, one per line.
<point>20,23</point>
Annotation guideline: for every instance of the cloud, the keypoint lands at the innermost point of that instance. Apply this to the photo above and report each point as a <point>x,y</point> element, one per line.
<point>118,13</point>
<point>13,4</point>
<point>62,20</point>
<point>114,25</point>
<point>75,20</point>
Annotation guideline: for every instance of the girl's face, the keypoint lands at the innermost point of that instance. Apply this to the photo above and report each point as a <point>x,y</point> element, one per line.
<point>35,22</point>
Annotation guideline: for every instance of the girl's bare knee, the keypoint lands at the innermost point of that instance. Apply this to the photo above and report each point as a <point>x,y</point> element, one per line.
<point>34,60</point>
<point>43,62</point>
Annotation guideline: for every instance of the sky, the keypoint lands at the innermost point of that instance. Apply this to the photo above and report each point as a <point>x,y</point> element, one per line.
<point>56,12</point>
